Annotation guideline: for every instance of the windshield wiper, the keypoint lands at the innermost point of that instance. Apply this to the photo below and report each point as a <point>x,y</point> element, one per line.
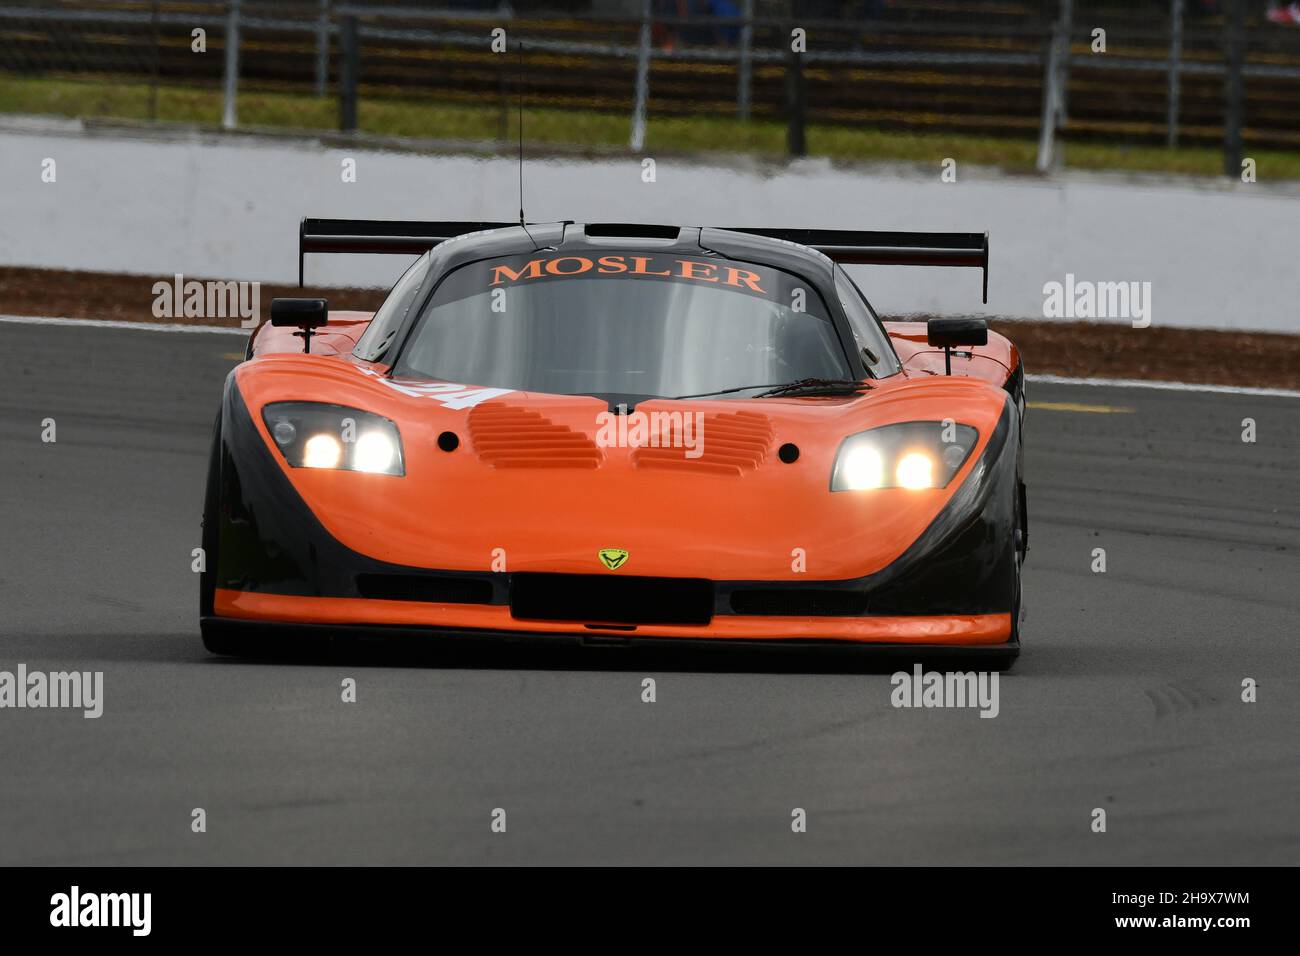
<point>816,386</point>
<point>803,386</point>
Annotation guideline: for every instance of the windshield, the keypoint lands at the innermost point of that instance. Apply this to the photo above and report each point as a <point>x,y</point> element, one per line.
<point>623,324</point>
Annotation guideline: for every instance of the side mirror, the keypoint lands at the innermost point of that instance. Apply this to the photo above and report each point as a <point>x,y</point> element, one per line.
<point>945,333</point>
<point>942,333</point>
<point>306,314</point>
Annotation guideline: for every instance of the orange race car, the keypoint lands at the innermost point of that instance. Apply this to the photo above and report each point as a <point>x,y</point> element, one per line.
<point>621,433</point>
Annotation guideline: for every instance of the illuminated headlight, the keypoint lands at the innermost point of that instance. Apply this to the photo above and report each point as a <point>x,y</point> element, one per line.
<point>907,455</point>
<point>915,470</point>
<point>376,452</point>
<point>315,435</point>
<point>860,467</point>
<point>322,451</point>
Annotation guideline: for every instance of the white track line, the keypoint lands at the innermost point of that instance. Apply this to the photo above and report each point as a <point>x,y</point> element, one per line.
<point>1036,379</point>
<point>112,324</point>
<point>1166,386</point>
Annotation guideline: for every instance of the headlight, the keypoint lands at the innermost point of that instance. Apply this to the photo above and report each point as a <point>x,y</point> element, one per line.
<point>314,435</point>
<point>907,455</point>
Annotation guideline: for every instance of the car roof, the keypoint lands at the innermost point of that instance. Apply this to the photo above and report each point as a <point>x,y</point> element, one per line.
<point>563,237</point>
<point>577,238</point>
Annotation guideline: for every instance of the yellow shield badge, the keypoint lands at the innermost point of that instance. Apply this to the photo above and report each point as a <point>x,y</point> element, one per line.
<point>612,558</point>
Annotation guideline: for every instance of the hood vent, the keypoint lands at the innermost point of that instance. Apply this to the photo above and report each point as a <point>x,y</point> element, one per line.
<point>732,442</point>
<point>506,436</point>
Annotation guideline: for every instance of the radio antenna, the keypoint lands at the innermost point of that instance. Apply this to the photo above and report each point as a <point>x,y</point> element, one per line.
<point>519,96</point>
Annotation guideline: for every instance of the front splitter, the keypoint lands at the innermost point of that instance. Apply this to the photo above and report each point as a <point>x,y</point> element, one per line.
<point>961,630</point>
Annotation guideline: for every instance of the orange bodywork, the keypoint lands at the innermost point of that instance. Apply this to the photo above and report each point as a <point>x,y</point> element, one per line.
<point>529,489</point>
<point>993,362</point>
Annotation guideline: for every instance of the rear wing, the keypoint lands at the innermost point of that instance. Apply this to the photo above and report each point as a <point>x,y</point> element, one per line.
<point>380,236</point>
<point>851,246</point>
<point>891,248</point>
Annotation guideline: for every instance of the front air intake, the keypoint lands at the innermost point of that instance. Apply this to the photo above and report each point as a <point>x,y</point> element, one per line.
<point>728,443</point>
<point>507,436</point>
<point>606,599</point>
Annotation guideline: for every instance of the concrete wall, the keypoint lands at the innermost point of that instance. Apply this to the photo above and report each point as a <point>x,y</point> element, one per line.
<point>1221,255</point>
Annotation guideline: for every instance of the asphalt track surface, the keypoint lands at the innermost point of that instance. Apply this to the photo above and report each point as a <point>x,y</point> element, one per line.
<point>1127,695</point>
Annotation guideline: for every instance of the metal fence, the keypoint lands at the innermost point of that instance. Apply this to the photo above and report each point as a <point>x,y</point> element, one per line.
<point>1163,71</point>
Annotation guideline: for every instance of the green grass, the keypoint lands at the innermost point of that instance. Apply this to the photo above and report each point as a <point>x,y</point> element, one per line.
<point>111,98</point>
